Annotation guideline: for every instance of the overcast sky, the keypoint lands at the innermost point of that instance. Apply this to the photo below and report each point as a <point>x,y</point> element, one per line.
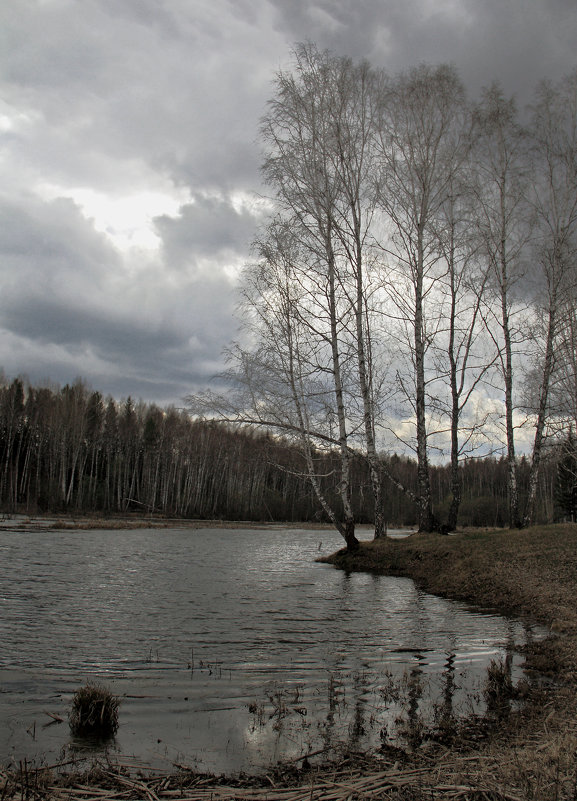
<point>130,161</point>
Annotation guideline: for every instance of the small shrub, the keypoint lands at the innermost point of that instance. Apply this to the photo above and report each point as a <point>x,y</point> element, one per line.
<point>94,712</point>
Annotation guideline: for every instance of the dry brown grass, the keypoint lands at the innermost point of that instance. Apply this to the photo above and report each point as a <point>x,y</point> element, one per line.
<point>94,712</point>
<point>532,572</point>
<point>135,521</point>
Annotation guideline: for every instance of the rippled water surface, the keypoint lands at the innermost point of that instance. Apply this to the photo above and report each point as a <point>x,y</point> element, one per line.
<point>230,648</point>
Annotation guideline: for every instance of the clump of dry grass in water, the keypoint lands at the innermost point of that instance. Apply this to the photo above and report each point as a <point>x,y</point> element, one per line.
<point>499,689</point>
<point>94,712</point>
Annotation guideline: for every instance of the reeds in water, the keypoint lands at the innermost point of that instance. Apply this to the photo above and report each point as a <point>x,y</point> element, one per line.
<point>94,712</point>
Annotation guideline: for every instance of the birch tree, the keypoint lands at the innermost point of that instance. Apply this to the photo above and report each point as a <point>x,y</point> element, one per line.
<point>502,225</point>
<point>290,379</point>
<point>313,277</point>
<point>419,150</point>
<point>324,114</point>
<point>462,359</point>
<point>553,132</point>
<point>563,394</point>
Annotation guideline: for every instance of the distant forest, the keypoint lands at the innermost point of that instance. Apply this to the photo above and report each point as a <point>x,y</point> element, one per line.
<point>69,450</point>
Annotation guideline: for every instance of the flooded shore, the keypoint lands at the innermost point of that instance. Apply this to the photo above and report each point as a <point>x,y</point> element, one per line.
<point>528,753</point>
<point>231,649</point>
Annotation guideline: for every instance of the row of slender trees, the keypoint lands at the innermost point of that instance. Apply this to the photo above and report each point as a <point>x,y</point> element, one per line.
<point>414,285</point>
<point>70,450</point>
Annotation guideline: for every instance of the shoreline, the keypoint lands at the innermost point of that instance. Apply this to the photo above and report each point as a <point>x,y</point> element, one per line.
<point>22,522</point>
<point>527,573</point>
<point>529,753</point>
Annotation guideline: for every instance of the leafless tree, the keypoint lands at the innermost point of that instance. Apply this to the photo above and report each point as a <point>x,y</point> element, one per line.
<point>419,150</point>
<point>462,358</point>
<point>309,296</point>
<point>283,377</point>
<point>553,131</point>
<point>502,224</point>
<point>563,393</point>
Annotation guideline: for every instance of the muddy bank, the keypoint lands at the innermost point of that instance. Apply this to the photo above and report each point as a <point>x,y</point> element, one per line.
<point>529,574</point>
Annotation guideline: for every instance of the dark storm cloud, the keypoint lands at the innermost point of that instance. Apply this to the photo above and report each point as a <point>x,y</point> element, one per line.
<point>140,103</point>
<point>209,225</point>
<point>514,42</point>
<point>64,299</point>
<point>48,319</point>
<point>158,355</point>
<point>45,245</point>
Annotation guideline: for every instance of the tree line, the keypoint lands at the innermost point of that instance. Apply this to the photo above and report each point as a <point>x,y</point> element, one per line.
<point>414,283</point>
<point>69,450</point>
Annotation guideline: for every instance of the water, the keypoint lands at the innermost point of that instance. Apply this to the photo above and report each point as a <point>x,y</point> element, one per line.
<point>231,649</point>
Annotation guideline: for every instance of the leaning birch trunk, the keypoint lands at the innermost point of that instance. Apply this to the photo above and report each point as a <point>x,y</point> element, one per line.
<point>368,406</point>
<point>513,491</point>
<point>502,188</point>
<point>348,524</point>
<point>368,420</point>
<point>353,124</point>
<point>304,427</point>
<point>453,515</point>
<point>553,133</point>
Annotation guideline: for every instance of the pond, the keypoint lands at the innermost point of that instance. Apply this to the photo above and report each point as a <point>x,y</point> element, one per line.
<point>231,648</point>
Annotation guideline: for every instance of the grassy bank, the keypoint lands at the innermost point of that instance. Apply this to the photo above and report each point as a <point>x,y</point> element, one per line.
<point>532,573</point>
<point>532,754</point>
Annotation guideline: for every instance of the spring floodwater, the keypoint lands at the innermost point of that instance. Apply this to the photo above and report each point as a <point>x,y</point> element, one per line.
<point>230,648</point>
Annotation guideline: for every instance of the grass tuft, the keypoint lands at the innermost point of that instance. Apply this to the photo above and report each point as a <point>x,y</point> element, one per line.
<point>94,712</point>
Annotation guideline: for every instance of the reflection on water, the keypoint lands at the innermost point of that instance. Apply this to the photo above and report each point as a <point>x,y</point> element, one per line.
<point>231,648</point>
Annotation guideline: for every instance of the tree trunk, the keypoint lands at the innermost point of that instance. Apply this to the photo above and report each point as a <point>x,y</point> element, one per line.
<point>426,519</point>
<point>529,516</point>
<point>514,520</point>
<point>345,483</point>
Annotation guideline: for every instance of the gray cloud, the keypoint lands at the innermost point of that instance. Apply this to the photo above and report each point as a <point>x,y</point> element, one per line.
<point>108,106</point>
<point>65,299</point>
<point>515,42</point>
<point>50,247</point>
<point>209,225</point>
